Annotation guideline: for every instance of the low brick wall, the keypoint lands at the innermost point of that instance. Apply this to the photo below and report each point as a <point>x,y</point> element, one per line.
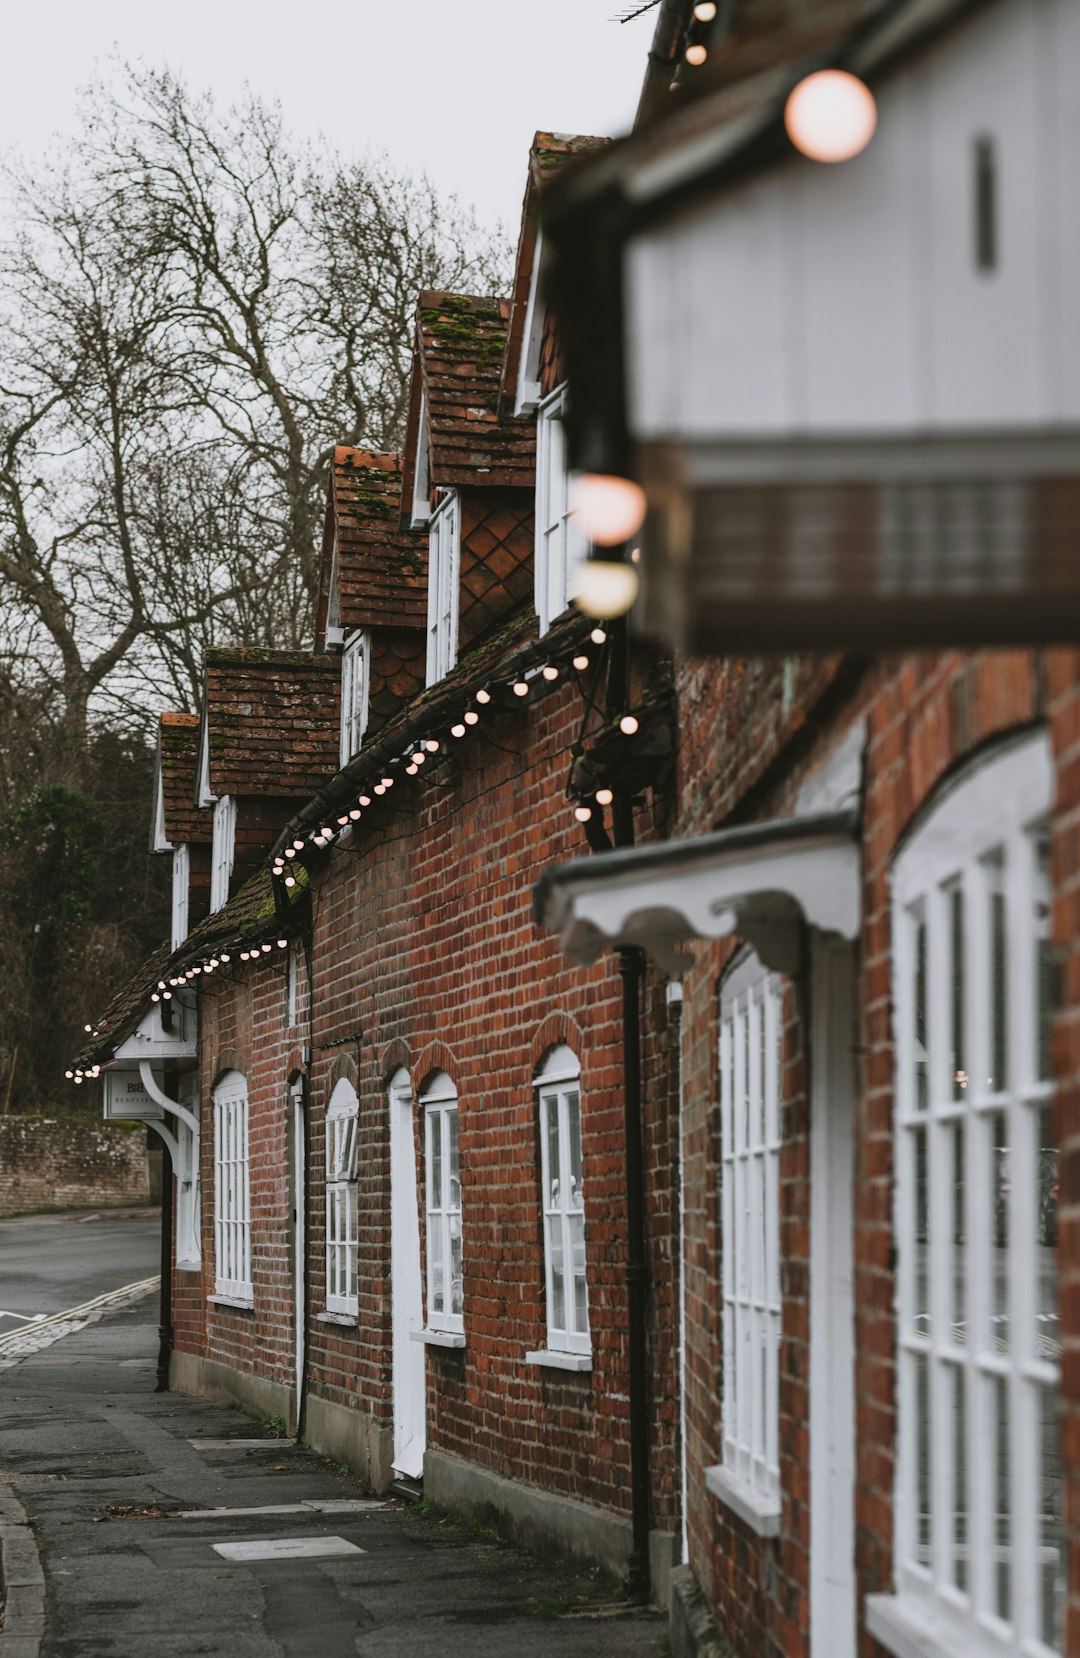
<point>70,1164</point>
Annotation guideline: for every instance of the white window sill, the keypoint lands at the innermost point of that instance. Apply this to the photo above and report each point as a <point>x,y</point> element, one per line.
<point>908,1629</point>
<point>246,1302</point>
<point>439,1338</point>
<point>189,1266</point>
<point>760,1513</point>
<point>328,1317</point>
<point>547,1359</point>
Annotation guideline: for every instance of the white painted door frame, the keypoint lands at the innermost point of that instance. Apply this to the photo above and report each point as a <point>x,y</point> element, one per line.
<point>410,1405</point>
<point>832,1308</point>
<point>299,1261</point>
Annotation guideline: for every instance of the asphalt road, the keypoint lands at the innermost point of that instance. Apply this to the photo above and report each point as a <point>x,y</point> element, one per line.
<point>49,1263</point>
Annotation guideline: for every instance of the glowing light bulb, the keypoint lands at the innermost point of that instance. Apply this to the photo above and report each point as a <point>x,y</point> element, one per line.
<point>411,771</point>
<point>298,845</point>
<point>608,508</point>
<point>88,1028</point>
<point>521,688</point>
<point>628,725</point>
<point>78,1078</point>
<point>583,813</point>
<point>355,815</point>
<point>432,744</point>
<point>154,997</point>
<point>343,820</point>
<point>471,716</point>
<point>290,880</point>
<point>290,852</point>
<point>283,944</point>
<point>598,636</point>
<point>364,800</point>
<point>457,730</point>
<point>166,995</point>
<point>387,782</point>
<point>225,957</point>
<point>69,1075</point>
<point>604,588</point>
<point>245,955</point>
<point>550,671</point>
<point>419,757</point>
<point>380,788</point>
<point>581,663</point>
<point>266,949</point>
<point>830,116</point>
<point>696,54</point>
<point>705,11</point>
<point>483,695</point>
<point>604,797</point>
<point>635,554</point>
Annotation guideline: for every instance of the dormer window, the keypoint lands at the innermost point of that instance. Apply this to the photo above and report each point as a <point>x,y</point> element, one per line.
<point>181,877</point>
<point>355,679</point>
<point>421,499</point>
<point>223,851</point>
<point>444,565</point>
<point>560,545</point>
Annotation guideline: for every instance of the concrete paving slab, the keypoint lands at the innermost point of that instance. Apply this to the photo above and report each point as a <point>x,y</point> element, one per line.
<point>286,1548</point>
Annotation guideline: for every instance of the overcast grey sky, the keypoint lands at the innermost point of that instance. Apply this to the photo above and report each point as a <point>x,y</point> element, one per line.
<point>456,87</point>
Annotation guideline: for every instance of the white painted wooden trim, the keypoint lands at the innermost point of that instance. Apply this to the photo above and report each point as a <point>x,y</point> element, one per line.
<point>420,505</point>
<point>355,693</point>
<point>760,1513</point>
<point>161,841</point>
<point>832,1307</point>
<point>438,1338</point>
<point>181,886</point>
<point>245,1302</point>
<point>223,851</point>
<point>407,1295</point>
<point>532,336</point>
<point>444,574</point>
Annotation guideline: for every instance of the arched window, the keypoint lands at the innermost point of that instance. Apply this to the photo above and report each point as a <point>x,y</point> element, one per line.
<point>445,1285</point>
<point>979,1546</point>
<point>341,1207</point>
<point>558,1091</point>
<point>232,1199</point>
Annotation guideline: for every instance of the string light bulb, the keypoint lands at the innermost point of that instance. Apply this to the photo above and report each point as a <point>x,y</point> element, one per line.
<point>380,788</point>
<point>418,757</point>
<point>411,770</point>
<point>696,54</point>
<point>705,11</point>
<point>327,834</point>
<point>550,671</point>
<point>432,743</point>
<point>343,820</point>
<point>471,717</point>
<point>457,730</point>
<point>604,588</point>
<point>628,725</point>
<point>583,813</point>
<point>483,695</point>
<point>290,880</point>
<point>266,949</point>
<point>290,852</point>
<point>598,636</point>
<point>581,662</point>
<point>604,797</point>
<point>521,688</point>
<point>283,944</point>
<point>355,815</point>
<point>225,956</point>
<point>363,800</point>
<point>298,846</point>
<point>830,116</point>
<point>608,508</point>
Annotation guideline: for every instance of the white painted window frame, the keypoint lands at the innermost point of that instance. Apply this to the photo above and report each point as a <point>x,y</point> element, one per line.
<point>342,1218</point>
<point>976,1337</point>
<point>223,851</point>
<point>161,843</point>
<point>188,1220</point>
<point>355,688</point>
<point>558,1100</point>
<point>442,1198</point>
<point>232,1191</point>
<point>444,570</point>
<point>532,337</point>
<point>751,1027</point>
<point>420,508</point>
<point>181,887</point>
<point>559,545</point>
<point>292,985</point>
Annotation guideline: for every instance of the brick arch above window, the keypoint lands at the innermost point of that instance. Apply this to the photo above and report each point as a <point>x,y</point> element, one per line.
<point>395,1057</point>
<point>229,1059</point>
<point>434,1056</point>
<point>558,1030</point>
<point>344,1069</point>
<point>961,768</point>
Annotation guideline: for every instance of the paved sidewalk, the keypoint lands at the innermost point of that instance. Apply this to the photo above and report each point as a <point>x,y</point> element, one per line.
<point>103,1466</point>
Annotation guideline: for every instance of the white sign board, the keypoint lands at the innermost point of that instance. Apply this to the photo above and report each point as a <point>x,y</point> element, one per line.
<point>125,1097</point>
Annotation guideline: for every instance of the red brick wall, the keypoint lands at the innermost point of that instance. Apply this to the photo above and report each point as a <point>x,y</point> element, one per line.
<point>63,1163</point>
<point>750,734</point>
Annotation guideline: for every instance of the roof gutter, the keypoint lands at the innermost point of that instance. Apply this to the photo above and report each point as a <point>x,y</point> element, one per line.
<point>663,59</point>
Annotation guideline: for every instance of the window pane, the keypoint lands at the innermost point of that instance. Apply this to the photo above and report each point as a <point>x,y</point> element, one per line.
<point>958,1065</point>
<point>573,1126</point>
<point>956,1287</point>
<point>434,1119</point>
<point>921,1076</point>
<point>1052,1574</point>
<point>453,1194</point>
<point>920,1221</point>
<point>1002,1530</point>
<point>1046,1204</point>
<point>997,1124</point>
<point>922,1459</point>
<point>551,1114</point>
<point>958,1411</point>
<point>998,978</point>
<point>1043,960</point>
<point>557,1310</point>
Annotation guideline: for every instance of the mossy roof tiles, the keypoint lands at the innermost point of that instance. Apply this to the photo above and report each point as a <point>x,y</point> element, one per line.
<point>381,568</point>
<point>460,347</point>
<point>272,721</point>
<point>178,755</point>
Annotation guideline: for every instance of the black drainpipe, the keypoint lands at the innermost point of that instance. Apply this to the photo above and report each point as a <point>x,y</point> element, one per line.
<point>165,1329</point>
<point>632,974</point>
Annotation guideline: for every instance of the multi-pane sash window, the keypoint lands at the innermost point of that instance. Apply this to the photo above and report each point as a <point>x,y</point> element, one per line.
<point>445,1298</point>
<point>444,561</point>
<point>223,850</point>
<point>559,1093</point>
<point>354,695</point>
<point>978,1514</point>
<point>750,1068</point>
<point>560,546</point>
<point>181,871</point>
<point>232,1203</point>
<point>341,1210</point>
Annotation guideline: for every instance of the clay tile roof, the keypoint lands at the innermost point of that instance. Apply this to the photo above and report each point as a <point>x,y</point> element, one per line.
<point>460,343</point>
<point>381,569</point>
<point>178,758</point>
<point>272,721</point>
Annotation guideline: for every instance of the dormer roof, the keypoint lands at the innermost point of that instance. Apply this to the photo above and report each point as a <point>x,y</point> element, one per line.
<point>270,722</point>
<point>457,373</point>
<point>374,574</point>
<point>549,153</point>
<point>179,819</point>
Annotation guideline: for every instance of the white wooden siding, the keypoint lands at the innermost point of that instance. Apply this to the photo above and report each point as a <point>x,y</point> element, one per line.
<point>820,298</point>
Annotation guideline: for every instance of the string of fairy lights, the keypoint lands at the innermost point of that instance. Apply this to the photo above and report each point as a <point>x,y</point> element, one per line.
<point>420,751</point>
